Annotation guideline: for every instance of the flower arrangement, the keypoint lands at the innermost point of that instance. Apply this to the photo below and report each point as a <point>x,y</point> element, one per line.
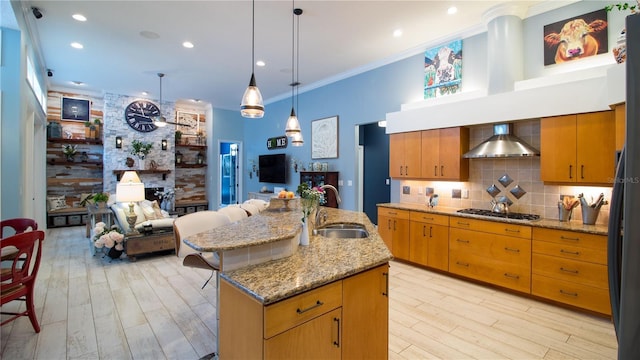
<point>140,149</point>
<point>310,198</point>
<point>105,237</point>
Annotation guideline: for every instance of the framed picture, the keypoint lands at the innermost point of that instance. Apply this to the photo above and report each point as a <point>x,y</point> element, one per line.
<point>576,38</point>
<point>188,122</point>
<point>443,70</point>
<point>324,138</point>
<point>75,109</point>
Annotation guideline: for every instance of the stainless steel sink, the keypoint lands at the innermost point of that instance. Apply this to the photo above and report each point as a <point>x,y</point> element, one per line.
<point>344,226</point>
<point>343,231</point>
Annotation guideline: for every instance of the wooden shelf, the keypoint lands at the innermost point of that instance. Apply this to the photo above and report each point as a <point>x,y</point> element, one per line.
<point>192,146</point>
<point>74,163</point>
<point>190,166</point>
<point>164,173</point>
<point>75,141</point>
<point>63,181</point>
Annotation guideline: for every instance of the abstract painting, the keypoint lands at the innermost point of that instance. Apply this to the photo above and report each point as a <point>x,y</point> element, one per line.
<point>443,70</point>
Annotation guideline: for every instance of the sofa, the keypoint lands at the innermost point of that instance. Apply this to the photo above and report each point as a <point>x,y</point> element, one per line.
<point>148,213</point>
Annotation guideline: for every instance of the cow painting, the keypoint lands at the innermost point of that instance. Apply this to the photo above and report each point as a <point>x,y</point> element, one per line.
<point>578,38</point>
<point>443,70</point>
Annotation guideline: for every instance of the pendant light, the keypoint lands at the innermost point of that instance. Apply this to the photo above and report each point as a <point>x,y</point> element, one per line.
<point>293,129</point>
<point>160,121</point>
<point>251,105</point>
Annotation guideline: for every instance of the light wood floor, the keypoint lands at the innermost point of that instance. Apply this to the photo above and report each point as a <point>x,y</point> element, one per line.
<point>91,308</point>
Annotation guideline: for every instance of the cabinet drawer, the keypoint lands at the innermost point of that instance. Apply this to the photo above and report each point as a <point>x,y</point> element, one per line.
<point>521,231</point>
<point>291,312</point>
<point>503,248</point>
<point>583,296</point>
<point>571,270</point>
<point>493,271</point>
<point>598,242</point>
<point>429,218</point>
<point>571,251</point>
<point>394,213</point>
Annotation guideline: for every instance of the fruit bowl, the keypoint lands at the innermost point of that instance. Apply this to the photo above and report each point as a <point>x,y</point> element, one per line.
<point>284,201</point>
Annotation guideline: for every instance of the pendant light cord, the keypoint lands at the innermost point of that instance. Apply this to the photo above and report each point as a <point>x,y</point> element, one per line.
<point>293,37</point>
<point>297,82</point>
<point>253,35</point>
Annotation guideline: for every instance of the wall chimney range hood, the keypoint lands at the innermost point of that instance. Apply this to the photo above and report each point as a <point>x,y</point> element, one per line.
<point>502,144</point>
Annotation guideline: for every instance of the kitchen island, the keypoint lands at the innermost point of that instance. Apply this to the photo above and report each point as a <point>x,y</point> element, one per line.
<point>329,298</point>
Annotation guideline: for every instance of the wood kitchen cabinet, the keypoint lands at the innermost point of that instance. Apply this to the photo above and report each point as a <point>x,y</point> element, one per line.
<point>393,227</point>
<point>405,155</point>
<point>497,253</point>
<point>328,322</point>
<point>442,151</point>
<point>429,240</point>
<point>621,125</point>
<point>578,148</point>
<point>571,267</point>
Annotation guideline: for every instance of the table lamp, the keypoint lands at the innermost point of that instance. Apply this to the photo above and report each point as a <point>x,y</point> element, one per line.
<point>131,190</point>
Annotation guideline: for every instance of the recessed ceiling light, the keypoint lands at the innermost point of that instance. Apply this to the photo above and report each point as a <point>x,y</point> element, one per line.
<point>260,63</point>
<point>452,10</point>
<point>76,45</point>
<point>149,34</point>
<point>188,44</point>
<point>145,93</point>
<point>79,17</point>
<point>397,33</point>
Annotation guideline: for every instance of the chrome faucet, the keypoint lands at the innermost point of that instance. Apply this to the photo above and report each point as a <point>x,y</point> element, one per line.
<point>321,218</point>
<point>335,191</point>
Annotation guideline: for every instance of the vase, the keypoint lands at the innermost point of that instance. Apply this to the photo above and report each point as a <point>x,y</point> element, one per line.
<point>620,48</point>
<point>141,164</point>
<point>304,234</point>
<point>113,253</point>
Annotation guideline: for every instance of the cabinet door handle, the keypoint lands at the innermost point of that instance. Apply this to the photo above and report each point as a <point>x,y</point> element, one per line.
<point>511,230</point>
<point>435,170</point>
<point>441,170</point>
<point>574,294</point>
<point>463,241</point>
<point>336,342</point>
<point>386,284</point>
<point>394,225</point>
<point>569,270</point>
<point>462,264</point>
<point>463,223</point>
<point>512,249</point>
<point>389,224</point>
<point>423,231</point>
<point>569,252</point>
<point>570,171</point>
<point>512,276</point>
<point>317,304</point>
<point>430,231</point>
<point>569,238</point>
<point>401,170</point>
<point>581,171</point>
<point>406,170</point>
<point>427,218</point>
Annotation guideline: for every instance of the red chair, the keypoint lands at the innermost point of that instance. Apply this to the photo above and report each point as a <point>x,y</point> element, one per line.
<point>15,226</point>
<point>18,225</point>
<point>20,278</point>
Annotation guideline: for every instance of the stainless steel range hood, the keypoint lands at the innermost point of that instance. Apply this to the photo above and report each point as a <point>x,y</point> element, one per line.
<point>502,144</point>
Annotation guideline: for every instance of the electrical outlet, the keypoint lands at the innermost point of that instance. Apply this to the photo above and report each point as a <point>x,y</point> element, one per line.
<point>406,190</point>
<point>387,181</point>
<point>340,183</point>
<point>465,193</point>
<point>419,190</point>
<point>456,193</point>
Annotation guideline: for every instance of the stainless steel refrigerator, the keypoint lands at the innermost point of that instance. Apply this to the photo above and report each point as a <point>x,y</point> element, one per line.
<point>624,218</point>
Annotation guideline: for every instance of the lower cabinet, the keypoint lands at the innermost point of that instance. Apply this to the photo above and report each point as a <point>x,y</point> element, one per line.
<point>393,227</point>
<point>571,268</point>
<point>429,240</point>
<point>344,319</point>
<point>479,250</point>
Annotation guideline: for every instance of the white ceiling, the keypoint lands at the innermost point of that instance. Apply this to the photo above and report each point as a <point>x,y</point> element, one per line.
<point>337,39</point>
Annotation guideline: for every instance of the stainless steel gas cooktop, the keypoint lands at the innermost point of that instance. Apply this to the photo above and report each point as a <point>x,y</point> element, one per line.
<point>510,215</point>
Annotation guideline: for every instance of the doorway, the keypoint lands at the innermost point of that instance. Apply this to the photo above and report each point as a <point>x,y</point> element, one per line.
<point>229,171</point>
<point>374,168</point>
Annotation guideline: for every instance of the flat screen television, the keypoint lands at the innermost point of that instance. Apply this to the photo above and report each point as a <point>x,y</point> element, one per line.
<point>273,168</point>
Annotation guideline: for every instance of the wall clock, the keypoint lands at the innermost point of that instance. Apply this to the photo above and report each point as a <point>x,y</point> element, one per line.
<point>139,115</point>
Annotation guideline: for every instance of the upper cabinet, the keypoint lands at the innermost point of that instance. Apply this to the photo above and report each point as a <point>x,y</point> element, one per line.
<point>405,155</point>
<point>442,151</point>
<point>578,148</point>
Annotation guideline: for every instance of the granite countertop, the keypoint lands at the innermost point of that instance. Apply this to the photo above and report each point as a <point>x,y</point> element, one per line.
<point>543,223</point>
<point>323,261</point>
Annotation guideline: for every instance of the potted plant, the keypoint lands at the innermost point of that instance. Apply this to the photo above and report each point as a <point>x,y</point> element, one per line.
<point>99,199</point>
<point>97,122</point>
<point>87,129</point>
<point>178,136</point>
<point>69,152</point>
<point>619,50</point>
<point>141,150</point>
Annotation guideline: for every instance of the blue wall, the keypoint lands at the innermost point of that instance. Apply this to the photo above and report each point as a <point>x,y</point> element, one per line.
<point>361,99</point>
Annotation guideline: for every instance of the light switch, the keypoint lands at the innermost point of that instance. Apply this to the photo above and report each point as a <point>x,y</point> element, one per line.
<point>340,182</point>
<point>465,193</point>
<point>349,183</point>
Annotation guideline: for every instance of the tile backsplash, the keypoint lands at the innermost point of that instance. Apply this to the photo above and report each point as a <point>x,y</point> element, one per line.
<point>538,198</point>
